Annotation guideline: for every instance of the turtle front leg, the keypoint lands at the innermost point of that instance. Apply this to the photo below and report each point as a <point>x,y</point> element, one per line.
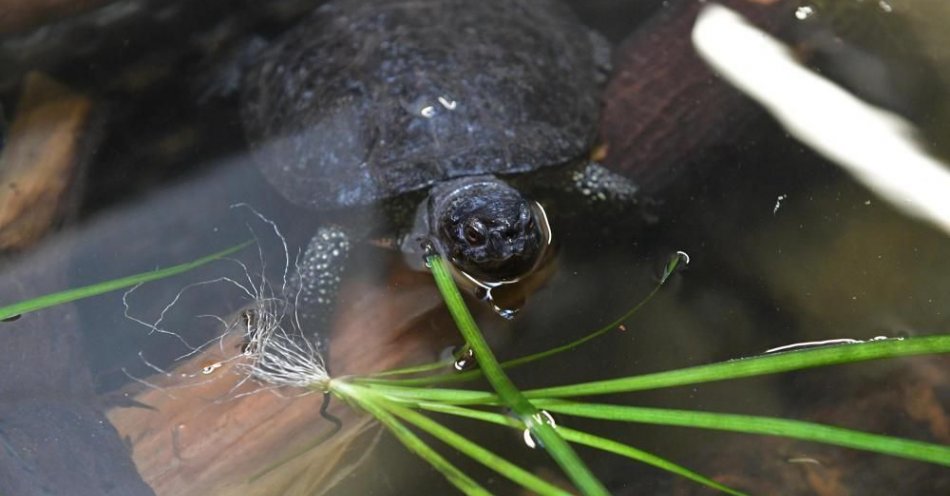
<point>319,273</point>
<point>600,186</point>
<point>580,189</point>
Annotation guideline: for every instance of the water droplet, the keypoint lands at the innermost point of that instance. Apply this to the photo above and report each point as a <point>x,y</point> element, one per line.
<point>425,107</point>
<point>428,252</point>
<point>813,344</point>
<point>506,313</point>
<point>804,12</point>
<point>529,439</point>
<point>683,256</point>
<point>465,361</point>
<point>12,318</point>
<point>542,417</point>
<point>778,203</point>
<point>672,264</point>
<point>448,103</point>
<point>507,310</point>
<point>428,247</point>
<point>209,369</point>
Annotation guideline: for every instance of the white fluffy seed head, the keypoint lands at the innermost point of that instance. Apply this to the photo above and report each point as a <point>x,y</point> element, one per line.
<point>277,352</point>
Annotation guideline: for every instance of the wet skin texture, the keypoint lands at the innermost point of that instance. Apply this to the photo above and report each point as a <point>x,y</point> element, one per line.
<point>366,102</point>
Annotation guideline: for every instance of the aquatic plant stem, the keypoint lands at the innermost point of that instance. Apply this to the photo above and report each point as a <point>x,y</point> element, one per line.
<point>751,424</point>
<point>478,453</point>
<point>668,270</point>
<point>370,404</point>
<point>775,363</point>
<point>586,439</point>
<point>533,419</point>
<point>74,294</point>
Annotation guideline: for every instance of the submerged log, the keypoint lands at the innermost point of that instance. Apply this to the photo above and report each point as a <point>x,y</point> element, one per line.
<point>38,163</point>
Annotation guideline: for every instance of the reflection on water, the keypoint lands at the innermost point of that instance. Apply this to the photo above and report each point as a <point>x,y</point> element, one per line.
<point>824,342</point>
<point>832,263</point>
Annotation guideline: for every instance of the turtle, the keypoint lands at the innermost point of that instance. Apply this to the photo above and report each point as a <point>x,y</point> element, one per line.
<point>453,107</point>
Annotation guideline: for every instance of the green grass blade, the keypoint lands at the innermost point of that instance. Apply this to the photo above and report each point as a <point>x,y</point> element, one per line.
<point>471,413</point>
<point>418,369</point>
<point>734,369</point>
<point>415,369</point>
<point>67,296</point>
<point>412,395</point>
<point>410,440</point>
<point>585,439</point>
<point>474,374</point>
<point>628,451</point>
<point>556,446</point>
<point>755,366</point>
<point>749,424</point>
<point>478,453</point>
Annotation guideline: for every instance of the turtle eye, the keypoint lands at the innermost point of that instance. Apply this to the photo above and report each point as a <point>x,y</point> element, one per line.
<point>474,232</point>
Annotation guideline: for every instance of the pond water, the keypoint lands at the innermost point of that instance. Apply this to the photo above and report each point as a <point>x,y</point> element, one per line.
<point>784,247</point>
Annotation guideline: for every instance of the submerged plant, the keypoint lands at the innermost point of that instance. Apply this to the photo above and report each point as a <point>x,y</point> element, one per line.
<point>401,396</point>
<point>278,354</point>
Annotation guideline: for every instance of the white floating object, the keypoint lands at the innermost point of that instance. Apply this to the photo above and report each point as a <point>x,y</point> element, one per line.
<point>876,146</point>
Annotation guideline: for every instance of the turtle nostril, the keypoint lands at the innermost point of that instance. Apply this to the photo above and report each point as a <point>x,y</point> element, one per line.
<point>497,242</point>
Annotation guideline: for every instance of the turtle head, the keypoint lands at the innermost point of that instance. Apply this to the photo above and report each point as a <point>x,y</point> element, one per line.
<point>487,228</point>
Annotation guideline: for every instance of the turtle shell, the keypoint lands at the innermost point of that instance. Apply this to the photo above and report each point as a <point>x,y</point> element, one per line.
<point>366,100</point>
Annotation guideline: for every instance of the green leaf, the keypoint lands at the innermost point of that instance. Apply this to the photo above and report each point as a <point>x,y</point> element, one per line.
<point>734,369</point>
<point>478,453</point>
<point>474,374</point>
<point>411,441</point>
<point>628,451</point>
<point>755,366</point>
<point>415,369</point>
<point>556,446</point>
<point>917,450</point>
<point>411,395</point>
<point>586,439</point>
<point>67,296</point>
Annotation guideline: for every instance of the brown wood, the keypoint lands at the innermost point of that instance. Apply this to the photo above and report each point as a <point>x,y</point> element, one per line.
<point>208,433</point>
<point>20,15</point>
<point>664,107</point>
<point>37,165</point>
